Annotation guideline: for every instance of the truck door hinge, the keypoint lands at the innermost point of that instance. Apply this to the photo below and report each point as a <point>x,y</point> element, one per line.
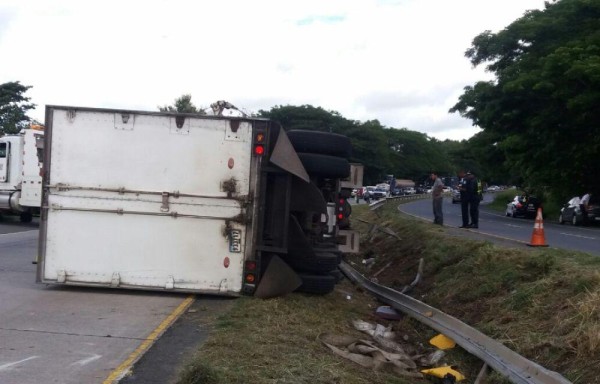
<point>165,200</point>
<point>61,276</point>
<point>224,286</point>
<point>170,283</point>
<point>116,280</point>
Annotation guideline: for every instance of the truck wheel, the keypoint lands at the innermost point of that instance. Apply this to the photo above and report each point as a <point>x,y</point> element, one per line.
<point>337,274</point>
<point>316,284</point>
<point>324,143</point>
<point>326,166</point>
<point>26,217</point>
<point>322,262</point>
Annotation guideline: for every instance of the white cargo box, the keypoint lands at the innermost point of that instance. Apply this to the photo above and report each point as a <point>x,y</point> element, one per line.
<point>147,200</point>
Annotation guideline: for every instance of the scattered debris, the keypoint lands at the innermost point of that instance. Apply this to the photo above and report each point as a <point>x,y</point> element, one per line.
<point>443,372</point>
<point>381,270</point>
<point>368,261</point>
<point>442,342</point>
<point>482,375</point>
<point>369,355</point>
<point>383,351</point>
<point>417,278</point>
<point>387,313</point>
<point>432,359</point>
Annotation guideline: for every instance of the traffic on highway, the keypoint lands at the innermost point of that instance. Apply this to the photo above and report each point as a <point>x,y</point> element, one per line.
<point>519,230</point>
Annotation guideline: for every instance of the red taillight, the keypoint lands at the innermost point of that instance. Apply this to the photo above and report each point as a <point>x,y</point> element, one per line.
<point>250,278</point>
<point>251,265</point>
<point>341,208</point>
<point>259,150</point>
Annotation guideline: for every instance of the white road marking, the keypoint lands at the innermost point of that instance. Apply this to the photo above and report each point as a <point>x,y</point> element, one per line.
<point>581,237</point>
<point>514,226</point>
<point>83,362</point>
<point>7,366</point>
<point>18,233</point>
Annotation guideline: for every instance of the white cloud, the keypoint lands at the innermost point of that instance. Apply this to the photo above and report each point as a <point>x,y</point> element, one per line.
<point>400,62</point>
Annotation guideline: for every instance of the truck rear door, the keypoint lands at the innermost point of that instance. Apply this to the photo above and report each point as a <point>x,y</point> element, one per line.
<point>147,200</point>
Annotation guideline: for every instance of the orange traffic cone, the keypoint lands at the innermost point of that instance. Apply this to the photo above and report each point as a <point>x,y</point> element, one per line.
<point>537,237</point>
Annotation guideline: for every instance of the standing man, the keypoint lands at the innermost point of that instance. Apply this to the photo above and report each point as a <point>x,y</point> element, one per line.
<point>464,203</point>
<point>583,204</point>
<point>473,197</point>
<point>436,192</point>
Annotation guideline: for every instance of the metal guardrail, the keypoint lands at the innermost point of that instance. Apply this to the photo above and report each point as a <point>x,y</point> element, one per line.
<point>379,203</point>
<point>515,367</point>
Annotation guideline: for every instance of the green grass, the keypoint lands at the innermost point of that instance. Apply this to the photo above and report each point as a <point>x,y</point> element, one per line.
<point>542,303</point>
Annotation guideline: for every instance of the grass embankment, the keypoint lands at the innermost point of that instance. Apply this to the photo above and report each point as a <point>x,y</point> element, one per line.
<point>542,303</point>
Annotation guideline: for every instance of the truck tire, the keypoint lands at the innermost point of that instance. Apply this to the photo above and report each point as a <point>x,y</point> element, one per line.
<point>330,167</point>
<point>317,284</point>
<point>322,262</point>
<point>325,143</point>
<point>337,274</point>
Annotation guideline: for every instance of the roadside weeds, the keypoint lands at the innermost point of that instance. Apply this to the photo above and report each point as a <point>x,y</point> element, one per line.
<point>542,303</point>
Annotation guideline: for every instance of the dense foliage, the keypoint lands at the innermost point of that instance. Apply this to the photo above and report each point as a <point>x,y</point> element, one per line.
<point>13,107</point>
<point>540,115</point>
<point>401,152</point>
<point>182,104</point>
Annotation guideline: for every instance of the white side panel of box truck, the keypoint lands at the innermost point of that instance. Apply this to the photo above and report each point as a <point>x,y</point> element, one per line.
<point>146,200</point>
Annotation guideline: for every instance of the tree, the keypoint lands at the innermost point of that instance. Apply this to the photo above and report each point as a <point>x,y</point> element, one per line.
<point>542,108</point>
<point>182,104</point>
<point>13,107</point>
<point>382,150</point>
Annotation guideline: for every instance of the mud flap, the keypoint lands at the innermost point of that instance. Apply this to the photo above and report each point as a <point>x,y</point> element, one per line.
<point>306,197</point>
<point>278,280</point>
<point>285,157</point>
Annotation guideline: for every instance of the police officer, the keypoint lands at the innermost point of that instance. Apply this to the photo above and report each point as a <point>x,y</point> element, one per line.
<point>473,196</point>
<point>464,203</point>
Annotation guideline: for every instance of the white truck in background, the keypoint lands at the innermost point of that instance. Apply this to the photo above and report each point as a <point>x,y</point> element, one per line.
<point>192,203</point>
<point>20,173</point>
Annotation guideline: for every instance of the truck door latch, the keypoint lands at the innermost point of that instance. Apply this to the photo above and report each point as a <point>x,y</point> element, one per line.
<point>165,202</point>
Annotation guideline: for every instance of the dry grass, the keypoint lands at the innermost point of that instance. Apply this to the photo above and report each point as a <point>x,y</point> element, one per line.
<point>277,341</point>
<point>543,303</point>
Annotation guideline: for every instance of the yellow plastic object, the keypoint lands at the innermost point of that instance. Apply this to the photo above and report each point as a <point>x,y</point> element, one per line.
<point>443,371</point>
<point>442,342</point>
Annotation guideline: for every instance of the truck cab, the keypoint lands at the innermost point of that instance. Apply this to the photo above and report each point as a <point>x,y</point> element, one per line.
<point>20,173</point>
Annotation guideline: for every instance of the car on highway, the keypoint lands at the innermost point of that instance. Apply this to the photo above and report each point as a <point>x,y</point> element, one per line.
<point>456,196</point>
<point>571,212</point>
<point>376,193</point>
<point>523,206</point>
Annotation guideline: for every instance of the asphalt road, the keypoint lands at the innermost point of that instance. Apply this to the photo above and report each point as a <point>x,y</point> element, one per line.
<point>519,230</point>
<point>57,334</point>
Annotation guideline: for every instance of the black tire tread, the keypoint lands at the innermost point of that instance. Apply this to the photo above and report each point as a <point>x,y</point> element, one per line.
<point>324,143</point>
<point>317,284</point>
<point>331,167</point>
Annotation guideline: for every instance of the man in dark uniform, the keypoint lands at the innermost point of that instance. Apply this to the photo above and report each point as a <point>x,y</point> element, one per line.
<point>473,197</point>
<point>464,203</point>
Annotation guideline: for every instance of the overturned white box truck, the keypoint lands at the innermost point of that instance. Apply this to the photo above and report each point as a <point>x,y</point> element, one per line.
<point>192,203</point>
<point>20,173</point>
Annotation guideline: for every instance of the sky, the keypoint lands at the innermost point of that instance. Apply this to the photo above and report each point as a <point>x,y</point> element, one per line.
<point>400,62</point>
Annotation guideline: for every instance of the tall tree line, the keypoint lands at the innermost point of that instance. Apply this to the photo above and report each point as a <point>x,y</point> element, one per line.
<point>540,115</point>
